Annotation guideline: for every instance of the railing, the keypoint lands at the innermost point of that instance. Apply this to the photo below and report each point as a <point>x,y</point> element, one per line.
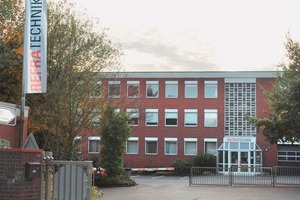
<point>287,175</point>
<point>208,176</point>
<point>245,176</point>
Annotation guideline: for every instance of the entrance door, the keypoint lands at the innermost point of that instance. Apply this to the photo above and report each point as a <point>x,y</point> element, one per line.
<point>239,161</point>
<point>244,161</point>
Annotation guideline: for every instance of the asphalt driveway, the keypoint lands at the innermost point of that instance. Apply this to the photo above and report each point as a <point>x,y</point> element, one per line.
<point>177,188</point>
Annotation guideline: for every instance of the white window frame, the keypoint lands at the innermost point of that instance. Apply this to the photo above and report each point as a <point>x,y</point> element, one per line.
<point>210,140</point>
<point>208,84</point>
<point>173,141</point>
<point>151,139</point>
<point>94,138</point>
<point>190,140</point>
<point>171,83</point>
<point>98,87</point>
<point>114,83</point>
<point>151,83</point>
<point>78,138</point>
<point>132,139</point>
<point>206,119</point>
<point>172,112</point>
<point>190,111</point>
<point>95,116</point>
<point>135,84</point>
<point>133,114</point>
<point>151,111</point>
<point>190,83</point>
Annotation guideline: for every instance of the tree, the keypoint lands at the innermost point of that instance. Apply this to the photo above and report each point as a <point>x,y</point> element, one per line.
<point>114,131</point>
<point>77,57</point>
<point>283,124</point>
<point>11,50</point>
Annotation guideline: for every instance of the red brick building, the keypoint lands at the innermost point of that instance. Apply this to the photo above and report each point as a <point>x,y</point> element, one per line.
<point>176,115</point>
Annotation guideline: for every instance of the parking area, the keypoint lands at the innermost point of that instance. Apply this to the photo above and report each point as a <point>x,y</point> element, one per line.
<point>177,188</point>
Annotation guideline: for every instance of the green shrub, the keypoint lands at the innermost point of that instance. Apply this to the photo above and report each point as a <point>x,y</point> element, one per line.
<point>181,166</point>
<point>106,181</point>
<point>4,144</point>
<point>205,160</point>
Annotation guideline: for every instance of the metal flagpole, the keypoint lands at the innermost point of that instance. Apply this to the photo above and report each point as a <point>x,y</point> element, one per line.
<point>22,113</point>
<point>23,96</point>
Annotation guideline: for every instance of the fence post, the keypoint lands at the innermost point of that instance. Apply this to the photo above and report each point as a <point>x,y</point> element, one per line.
<point>190,177</point>
<point>48,157</point>
<point>230,176</point>
<point>47,181</point>
<point>273,175</point>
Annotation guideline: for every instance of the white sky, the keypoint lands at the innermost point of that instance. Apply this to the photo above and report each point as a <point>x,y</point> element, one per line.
<point>185,35</point>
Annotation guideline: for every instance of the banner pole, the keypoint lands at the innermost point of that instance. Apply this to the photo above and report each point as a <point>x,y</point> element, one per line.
<point>25,65</point>
<point>22,114</point>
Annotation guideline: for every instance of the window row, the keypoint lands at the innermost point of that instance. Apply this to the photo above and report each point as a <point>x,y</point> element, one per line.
<point>190,146</point>
<point>288,156</point>
<point>151,145</point>
<point>171,117</point>
<point>152,89</point>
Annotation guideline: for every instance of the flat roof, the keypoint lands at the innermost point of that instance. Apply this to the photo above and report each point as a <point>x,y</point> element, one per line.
<point>198,74</point>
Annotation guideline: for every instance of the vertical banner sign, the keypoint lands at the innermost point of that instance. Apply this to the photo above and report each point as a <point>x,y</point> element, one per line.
<point>35,47</point>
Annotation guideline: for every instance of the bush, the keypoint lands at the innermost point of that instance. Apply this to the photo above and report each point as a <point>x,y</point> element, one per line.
<point>106,181</point>
<point>4,143</point>
<point>205,160</point>
<point>181,166</point>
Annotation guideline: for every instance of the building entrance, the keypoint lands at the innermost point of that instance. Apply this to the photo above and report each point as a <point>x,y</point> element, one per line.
<point>239,154</point>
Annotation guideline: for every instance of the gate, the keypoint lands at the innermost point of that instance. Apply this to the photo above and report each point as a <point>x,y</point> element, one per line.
<point>282,175</point>
<point>231,176</point>
<point>68,180</point>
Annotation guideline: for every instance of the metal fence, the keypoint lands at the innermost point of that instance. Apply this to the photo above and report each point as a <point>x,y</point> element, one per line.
<point>68,180</point>
<point>287,175</point>
<point>234,176</point>
<point>208,176</point>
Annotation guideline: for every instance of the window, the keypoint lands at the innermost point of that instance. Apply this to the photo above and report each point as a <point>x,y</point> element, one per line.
<point>190,117</point>
<point>94,144</point>
<point>97,92</point>
<point>151,147</point>
<point>171,89</point>
<point>190,146</point>
<point>210,118</point>
<point>151,117</point>
<point>78,144</point>
<point>134,116</point>
<point>191,89</point>
<point>210,145</point>
<point>132,145</point>
<point>240,103</point>
<point>152,89</point>
<point>170,146</point>
<point>133,89</point>
<point>211,89</point>
<point>95,116</point>
<point>171,116</point>
<point>288,156</point>
<point>114,89</point>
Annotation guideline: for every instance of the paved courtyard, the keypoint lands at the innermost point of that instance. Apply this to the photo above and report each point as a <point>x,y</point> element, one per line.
<point>177,188</point>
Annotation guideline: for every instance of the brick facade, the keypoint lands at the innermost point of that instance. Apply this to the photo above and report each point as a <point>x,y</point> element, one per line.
<point>13,182</point>
<point>200,133</point>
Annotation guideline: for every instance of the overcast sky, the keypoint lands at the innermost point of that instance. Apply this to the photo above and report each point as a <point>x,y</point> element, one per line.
<point>185,35</point>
